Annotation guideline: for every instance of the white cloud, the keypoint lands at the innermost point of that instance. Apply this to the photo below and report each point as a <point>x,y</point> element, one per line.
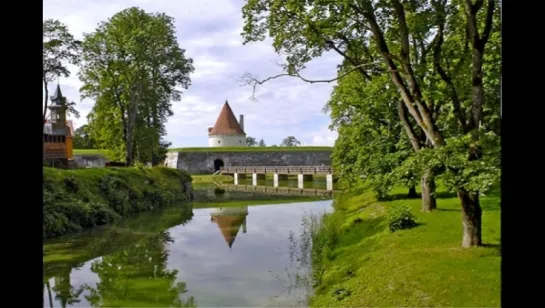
<point>209,30</point>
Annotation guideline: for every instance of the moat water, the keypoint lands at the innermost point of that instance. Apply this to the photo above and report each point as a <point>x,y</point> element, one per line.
<point>236,252</point>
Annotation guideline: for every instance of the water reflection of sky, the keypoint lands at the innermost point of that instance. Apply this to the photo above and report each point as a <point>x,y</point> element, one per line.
<point>250,273</point>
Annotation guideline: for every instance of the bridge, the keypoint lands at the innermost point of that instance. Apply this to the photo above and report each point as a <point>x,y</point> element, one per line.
<point>304,173</point>
<point>287,191</point>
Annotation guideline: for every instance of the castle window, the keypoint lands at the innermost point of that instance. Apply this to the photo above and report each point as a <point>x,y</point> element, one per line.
<point>218,141</point>
<point>240,141</point>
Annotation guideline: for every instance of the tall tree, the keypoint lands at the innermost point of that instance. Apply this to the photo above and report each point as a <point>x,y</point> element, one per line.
<point>59,49</point>
<point>250,141</point>
<point>290,141</point>
<point>398,39</point>
<point>133,67</point>
<point>262,143</point>
<point>371,146</point>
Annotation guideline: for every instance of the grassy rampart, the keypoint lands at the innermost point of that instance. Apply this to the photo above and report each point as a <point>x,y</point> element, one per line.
<point>359,262</point>
<point>78,199</point>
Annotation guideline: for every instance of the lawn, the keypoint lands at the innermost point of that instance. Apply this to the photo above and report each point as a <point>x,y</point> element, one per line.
<point>423,266</point>
<point>105,153</point>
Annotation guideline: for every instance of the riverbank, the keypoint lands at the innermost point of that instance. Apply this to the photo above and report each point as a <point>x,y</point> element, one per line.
<point>79,199</point>
<point>365,264</point>
<point>210,179</point>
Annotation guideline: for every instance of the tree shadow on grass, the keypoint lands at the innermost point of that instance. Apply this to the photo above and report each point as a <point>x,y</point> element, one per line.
<point>438,195</point>
<point>447,210</point>
<point>361,229</point>
<point>496,247</point>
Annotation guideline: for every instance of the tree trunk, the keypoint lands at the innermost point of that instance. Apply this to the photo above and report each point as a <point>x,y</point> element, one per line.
<point>429,203</point>
<point>49,294</point>
<point>471,218</point>
<point>412,192</point>
<point>45,104</point>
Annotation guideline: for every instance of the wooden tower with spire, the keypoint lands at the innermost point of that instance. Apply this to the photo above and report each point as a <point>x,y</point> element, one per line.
<point>227,131</point>
<point>58,132</point>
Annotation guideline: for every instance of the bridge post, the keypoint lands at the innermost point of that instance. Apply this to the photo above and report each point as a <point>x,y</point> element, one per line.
<point>329,181</point>
<point>236,178</point>
<point>275,180</point>
<point>300,181</point>
<point>254,178</point>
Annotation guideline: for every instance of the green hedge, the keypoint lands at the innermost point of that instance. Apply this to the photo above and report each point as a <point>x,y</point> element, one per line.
<point>75,200</point>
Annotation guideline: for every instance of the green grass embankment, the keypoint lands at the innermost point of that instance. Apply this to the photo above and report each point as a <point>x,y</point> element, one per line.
<point>78,199</point>
<point>362,263</point>
<point>253,149</point>
<point>221,149</point>
<point>210,178</point>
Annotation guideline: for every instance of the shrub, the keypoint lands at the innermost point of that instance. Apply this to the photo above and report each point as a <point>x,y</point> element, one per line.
<point>400,217</point>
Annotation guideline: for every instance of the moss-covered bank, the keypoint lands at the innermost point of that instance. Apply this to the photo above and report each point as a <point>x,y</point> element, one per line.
<point>359,262</point>
<point>75,200</point>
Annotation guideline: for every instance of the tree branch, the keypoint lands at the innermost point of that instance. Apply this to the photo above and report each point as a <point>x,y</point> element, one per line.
<point>248,79</point>
<point>402,113</point>
<point>488,24</point>
<point>440,22</point>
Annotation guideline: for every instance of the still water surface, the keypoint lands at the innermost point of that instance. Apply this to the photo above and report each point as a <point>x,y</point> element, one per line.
<point>223,255</point>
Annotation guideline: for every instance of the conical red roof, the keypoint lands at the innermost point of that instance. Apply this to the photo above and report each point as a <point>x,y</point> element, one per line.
<point>227,123</point>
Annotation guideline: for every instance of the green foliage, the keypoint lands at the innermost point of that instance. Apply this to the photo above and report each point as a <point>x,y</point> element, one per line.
<point>133,98</point>
<point>475,176</point>
<point>83,139</point>
<point>372,144</point>
<point>290,141</point>
<point>400,217</point>
<point>79,199</point>
<point>251,142</point>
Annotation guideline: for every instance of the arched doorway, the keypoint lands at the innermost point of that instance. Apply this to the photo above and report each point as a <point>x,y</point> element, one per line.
<point>218,163</point>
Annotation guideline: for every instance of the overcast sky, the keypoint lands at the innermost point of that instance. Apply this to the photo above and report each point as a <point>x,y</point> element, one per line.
<point>210,30</point>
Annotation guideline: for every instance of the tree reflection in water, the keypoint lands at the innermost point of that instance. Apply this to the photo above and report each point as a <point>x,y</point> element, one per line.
<point>138,277</point>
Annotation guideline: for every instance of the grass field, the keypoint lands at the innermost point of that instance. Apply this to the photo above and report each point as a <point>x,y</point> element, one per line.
<point>105,153</point>
<point>369,266</point>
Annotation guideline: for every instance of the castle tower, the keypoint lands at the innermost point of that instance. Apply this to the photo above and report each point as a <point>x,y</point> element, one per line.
<point>227,132</point>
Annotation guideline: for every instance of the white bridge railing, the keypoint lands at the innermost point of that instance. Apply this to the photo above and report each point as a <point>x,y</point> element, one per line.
<point>277,169</point>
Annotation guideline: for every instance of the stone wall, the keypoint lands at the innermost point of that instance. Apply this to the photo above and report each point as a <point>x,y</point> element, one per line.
<point>203,162</point>
<point>89,161</point>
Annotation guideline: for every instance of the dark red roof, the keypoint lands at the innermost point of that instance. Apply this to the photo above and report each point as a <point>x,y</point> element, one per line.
<point>227,123</point>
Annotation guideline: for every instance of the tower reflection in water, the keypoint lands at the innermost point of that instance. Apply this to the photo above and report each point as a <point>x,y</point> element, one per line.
<point>230,220</point>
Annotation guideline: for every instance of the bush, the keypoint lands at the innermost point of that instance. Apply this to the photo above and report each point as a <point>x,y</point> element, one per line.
<point>400,217</point>
<point>75,200</point>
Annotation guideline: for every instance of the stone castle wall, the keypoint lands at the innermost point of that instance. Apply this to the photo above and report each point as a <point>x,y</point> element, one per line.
<point>203,162</point>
